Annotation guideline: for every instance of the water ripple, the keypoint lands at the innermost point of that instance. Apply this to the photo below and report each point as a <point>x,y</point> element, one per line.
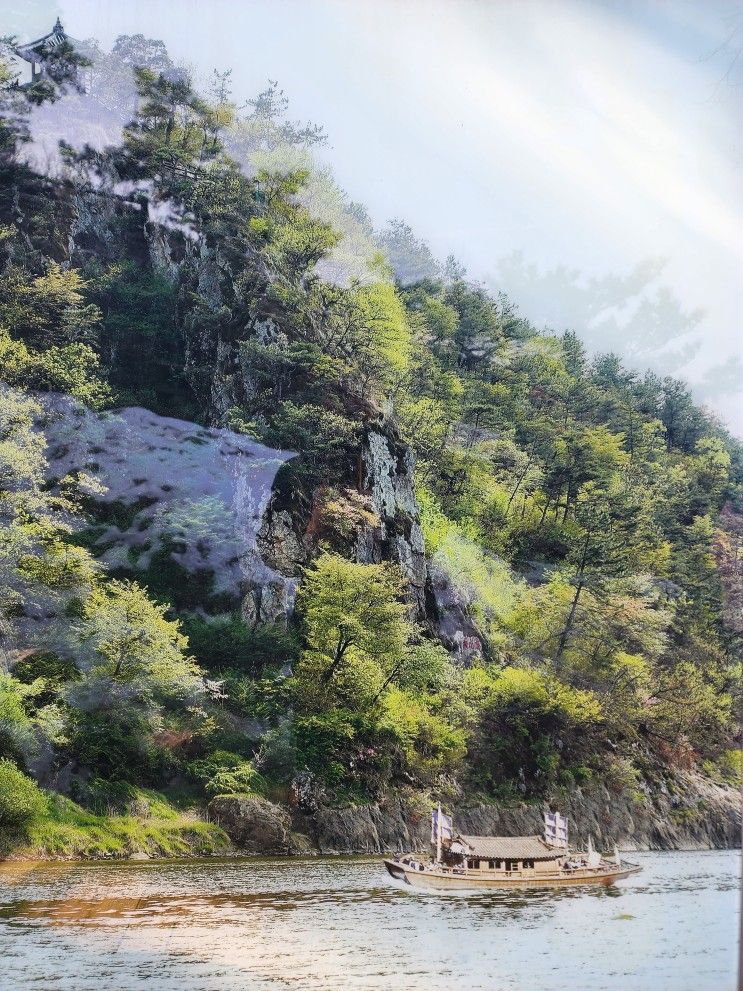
<point>323,924</point>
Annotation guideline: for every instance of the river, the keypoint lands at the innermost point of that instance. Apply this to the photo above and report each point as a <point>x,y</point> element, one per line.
<point>341,923</point>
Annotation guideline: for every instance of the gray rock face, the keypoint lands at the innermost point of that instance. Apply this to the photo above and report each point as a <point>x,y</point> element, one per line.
<point>387,527</point>
<point>256,825</point>
<point>452,621</point>
<point>164,259</point>
<point>388,471</point>
<point>367,829</point>
<point>91,224</point>
<point>692,814</point>
<point>270,598</point>
<point>196,493</point>
<point>389,477</point>
<point>222,377</point>
<point>280,545</point>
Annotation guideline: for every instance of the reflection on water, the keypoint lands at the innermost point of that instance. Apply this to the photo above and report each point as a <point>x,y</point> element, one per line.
<point>327,923</point>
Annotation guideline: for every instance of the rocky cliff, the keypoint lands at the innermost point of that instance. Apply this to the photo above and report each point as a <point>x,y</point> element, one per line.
<point>378,484</point>
<point>683,812</point>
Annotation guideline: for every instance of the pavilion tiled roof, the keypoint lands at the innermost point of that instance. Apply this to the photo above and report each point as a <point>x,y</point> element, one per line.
<point>510,847</point>
<point>33,50</point>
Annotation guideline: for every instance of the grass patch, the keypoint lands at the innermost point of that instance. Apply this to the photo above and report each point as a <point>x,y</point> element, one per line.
<point>67,831</point>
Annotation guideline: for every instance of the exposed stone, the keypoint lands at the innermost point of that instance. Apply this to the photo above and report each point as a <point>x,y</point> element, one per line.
<point>701,815</point>
<point>389,472</point>
<point>389,477</point>
<point>279,544</point>
<point>348,830</point>
<point>208,276</point>
<point>368,549</point>
<point>269,599</point>
<point>179,468</point>
<point>367,829</point>
<point>223,378</point>
<point>705,816</point>
<point>452,620</point>
<point>164,259</point>
<point>256,825</point>
<point>91,228</point>
<point>267,331</point>
<point>301,845</point>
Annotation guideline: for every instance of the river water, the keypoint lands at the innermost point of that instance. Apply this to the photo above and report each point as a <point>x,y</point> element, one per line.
<point>342,923</point>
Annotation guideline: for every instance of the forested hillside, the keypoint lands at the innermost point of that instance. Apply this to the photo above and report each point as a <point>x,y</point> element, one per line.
<point>490,565</point>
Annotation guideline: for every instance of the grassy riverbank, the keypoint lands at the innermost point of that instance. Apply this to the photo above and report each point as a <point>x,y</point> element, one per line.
<point>154,828</point>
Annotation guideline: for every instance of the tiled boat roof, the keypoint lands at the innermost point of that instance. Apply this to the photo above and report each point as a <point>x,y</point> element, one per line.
<point>513,847</point>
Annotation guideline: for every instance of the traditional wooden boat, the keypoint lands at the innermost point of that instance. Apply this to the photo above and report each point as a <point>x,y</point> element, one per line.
<point>484,862</point>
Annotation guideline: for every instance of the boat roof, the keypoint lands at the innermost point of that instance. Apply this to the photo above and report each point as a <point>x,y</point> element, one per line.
<point>514,847</point>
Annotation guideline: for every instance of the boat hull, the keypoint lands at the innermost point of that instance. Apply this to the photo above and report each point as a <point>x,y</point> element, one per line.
<point>437,881</point>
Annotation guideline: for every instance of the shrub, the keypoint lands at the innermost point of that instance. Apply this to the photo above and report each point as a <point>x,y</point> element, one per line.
<point>427,743</point>
<point>532,729</point>
<point>728,768</point>
<point>16,730</point>
<point>347,749</point>
<point>21,799</point>
<point>47,665</point>
<point>225,773</point>
<point>243,779</point>
<point>227,642</point>
<point>118,746</point>
<point>102,796</point>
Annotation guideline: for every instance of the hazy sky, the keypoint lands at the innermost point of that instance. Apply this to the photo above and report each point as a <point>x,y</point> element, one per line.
<point>588,136</point>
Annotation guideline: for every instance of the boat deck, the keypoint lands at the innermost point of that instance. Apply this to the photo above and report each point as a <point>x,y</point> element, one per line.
<point>426,876</point>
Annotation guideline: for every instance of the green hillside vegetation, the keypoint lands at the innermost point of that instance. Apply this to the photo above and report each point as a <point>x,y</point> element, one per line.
<point>586,515</point>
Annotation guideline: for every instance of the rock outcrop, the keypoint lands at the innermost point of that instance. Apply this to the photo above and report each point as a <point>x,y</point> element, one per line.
<point>389,477</point>
<point>367,829</point>
<point>256,826</point>
<point>221,375</point>
<point>450,614</point>
<point>687,812</point>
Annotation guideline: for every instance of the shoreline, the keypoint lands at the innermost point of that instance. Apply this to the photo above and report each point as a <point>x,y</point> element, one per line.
<point>238,855</point>
<point>685,812</point>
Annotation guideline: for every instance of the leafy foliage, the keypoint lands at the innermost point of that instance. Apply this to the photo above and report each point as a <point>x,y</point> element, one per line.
<point>21,800</point>
<point>581,519</point>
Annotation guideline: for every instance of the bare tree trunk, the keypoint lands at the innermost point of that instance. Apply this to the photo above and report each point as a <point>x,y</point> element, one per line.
<point>579,586</point>
<point>340,651</point>
<point>387,681</point>
<point>568,626</point>
<point>544,512</point>
<point>521,477</point>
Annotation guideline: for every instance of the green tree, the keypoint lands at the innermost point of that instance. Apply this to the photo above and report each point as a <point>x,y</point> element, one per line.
<point>530,728</point>
<point>355,627</point>
<point>127,638</point>
<point>47,310</point>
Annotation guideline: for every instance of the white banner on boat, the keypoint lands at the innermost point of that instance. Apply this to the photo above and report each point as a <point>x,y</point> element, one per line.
<point>593,856</point>
<point>447,826</point>
<point>555,829</point>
